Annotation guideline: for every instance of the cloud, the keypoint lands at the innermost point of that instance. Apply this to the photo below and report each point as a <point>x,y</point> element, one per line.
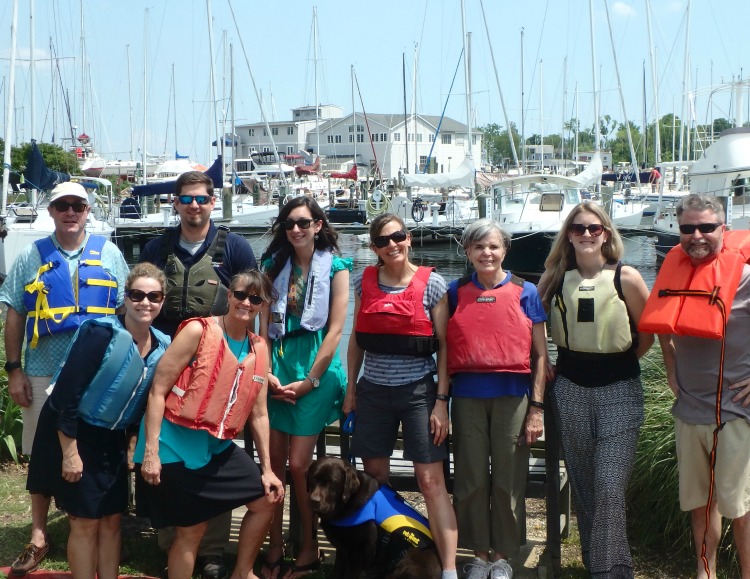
<point>623,9</point>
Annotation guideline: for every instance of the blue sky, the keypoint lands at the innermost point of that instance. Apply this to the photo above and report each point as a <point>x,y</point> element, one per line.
<point>371,36</point>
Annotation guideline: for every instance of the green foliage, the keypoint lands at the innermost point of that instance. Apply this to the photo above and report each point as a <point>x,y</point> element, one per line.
<point>56,158</point>
<point>11,424</point>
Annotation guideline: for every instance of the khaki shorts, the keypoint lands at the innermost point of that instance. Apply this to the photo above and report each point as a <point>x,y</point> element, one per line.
<point>732,480</point>
<point>30,415</point>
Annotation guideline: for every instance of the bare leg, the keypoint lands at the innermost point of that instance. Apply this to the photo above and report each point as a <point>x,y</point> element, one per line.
<point>39,509</point>
<point>378,468</point>
<point>82,547</point>
<point>279,448</point>
<point>183,551</point>
<point>741,529</point>
<point>253,531</point>
<point>440,511</point>
<point>300,457</point>
<point>108,566</point>
<point>698,518</point>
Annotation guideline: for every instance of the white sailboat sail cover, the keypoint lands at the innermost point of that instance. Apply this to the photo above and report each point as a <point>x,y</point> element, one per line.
<point>592,174</point>
<point>463,176</point>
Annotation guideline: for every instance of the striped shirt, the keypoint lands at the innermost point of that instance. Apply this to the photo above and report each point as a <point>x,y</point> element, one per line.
<point>396,369</point>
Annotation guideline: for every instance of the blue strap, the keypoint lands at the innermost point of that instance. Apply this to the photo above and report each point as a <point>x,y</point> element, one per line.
<point>348,428</point>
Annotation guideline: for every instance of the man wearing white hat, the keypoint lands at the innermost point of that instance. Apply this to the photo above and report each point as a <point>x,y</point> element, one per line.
<point>46,303</point>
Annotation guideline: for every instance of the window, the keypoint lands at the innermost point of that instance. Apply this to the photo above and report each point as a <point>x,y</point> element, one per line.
<point>290,150</point>
<point>351,128</point>
<point>360,138</point>
<point>329,139</point>
<point>419,137</point>
<point>430,138</point>
<point>266,149</point>
<point>422,162</point>
<point>338,138</point>
<point>275,131</point>
<point>374,137</point>
<point>474,139</point>
<point>351,138</point>
<point>290,130</point>
<point>384,137</point>
<point>410,137</point>
<point>251,132</point>
<point>396,137</point>
<point>446,139</point>
<point>360,128</point>
<point>265,133</point>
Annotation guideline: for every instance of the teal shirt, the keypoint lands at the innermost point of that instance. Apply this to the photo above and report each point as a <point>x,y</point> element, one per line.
<point>46,358</point>
<point>181,444</point>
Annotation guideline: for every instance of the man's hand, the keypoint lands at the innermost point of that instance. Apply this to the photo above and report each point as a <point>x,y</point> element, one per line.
<point>19,387</point>
<point>744,392</point>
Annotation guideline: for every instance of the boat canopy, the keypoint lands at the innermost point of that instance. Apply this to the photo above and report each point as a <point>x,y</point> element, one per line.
<point>462,176</point>
<point>167,187</point>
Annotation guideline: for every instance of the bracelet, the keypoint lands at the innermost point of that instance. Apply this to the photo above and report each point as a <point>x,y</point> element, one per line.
<point>536,404</point>
<point>443,397</point>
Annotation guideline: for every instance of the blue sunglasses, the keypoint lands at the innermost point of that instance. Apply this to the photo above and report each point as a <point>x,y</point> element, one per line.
<point>199,199</point>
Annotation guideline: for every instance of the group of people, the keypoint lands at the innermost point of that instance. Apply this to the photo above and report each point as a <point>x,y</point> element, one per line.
<point>158,369</point>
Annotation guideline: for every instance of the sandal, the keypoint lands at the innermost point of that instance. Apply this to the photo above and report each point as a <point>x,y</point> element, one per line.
<point>269,568</point>
<point>306,569</point>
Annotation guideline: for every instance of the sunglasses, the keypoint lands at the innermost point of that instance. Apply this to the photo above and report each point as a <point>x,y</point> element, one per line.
<point>255,299</point>
<point>199,199</point>
<point>301,223</point>
<point>136,295</point>
<point>578,229</point>
<point>382,241</point>
<point>63,206</point>
<point>689,228</point>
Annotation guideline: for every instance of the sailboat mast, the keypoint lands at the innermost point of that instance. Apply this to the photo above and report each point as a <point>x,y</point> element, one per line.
<point>32,70</point>
<point>597,130</point>
<point>144,179</point>
<point>655,84</point>
<point>406,117</point>
<point>231,99</point>
<point>130,104</point>
<point>541,109</point>
<point>214,119</point>
<point>523,113</point>
<point>9,109</point>
<point>467,76</point>
<point>354,123</point>
<point>83,74</point>
<point>317,102</point>
<point>685,74</point>
<point>564,106</point>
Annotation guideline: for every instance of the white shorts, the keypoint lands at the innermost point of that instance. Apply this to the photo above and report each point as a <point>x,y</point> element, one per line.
<point>30,415</point>
<point>732,476</point>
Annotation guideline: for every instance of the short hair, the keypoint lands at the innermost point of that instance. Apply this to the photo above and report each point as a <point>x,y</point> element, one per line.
<point>480,229</point>
<point>256,281</point>
<point>191,178</point>
<point>695,202</point>
<point>146,269</point>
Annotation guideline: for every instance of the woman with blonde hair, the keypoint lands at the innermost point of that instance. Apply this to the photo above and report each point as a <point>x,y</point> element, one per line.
<point>594,305</point>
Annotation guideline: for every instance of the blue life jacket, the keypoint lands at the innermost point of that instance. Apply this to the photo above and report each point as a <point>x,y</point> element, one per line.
<point>317,297</point>
<point>56,303</point>
<point>116,396</point>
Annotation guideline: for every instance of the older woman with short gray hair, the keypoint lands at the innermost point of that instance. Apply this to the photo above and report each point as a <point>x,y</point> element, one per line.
<point>496,359</point>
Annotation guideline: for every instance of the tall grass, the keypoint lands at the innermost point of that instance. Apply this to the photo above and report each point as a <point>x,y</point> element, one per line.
<point>11,423</point>
<point>654,517</point>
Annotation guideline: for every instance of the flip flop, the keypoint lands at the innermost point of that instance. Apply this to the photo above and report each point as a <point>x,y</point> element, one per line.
<point>307,569</point>
<point>269,567</point>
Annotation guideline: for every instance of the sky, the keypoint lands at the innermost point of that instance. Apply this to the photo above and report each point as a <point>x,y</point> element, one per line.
<point>543,46</point>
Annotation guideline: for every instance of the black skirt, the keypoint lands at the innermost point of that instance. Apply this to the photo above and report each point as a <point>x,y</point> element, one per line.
<point>186,497</point>
<point>103,488</point>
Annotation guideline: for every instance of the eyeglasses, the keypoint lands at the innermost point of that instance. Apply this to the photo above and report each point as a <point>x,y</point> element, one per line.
<point>136,295</point>
<point>199,199</point>
<point>301,223</point>
<point>63,206</point>
<point>578,229</point>
<point>382,241</point>
<point>689,228</point>
<point>255,299</point>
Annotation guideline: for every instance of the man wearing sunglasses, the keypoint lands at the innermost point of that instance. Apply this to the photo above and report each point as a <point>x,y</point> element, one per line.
<point>54,285</point>
<point>199,260</point>
<point>710,378</point>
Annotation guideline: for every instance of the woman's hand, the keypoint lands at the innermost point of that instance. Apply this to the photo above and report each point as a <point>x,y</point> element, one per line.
<point>151,469</point>
<point>72,467</point>
<point>292,391</point>
<point>272,486</point>
<point>350,402</point>
<point>551,371</point>
<point>534,424</point>
<point>439,422</point>
<point>274,385</point>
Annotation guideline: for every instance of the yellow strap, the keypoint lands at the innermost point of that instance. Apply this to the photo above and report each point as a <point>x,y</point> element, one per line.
<point>102,282</point>
<point>91,261</point>
<point>38,287</point>
<point>100,310</point>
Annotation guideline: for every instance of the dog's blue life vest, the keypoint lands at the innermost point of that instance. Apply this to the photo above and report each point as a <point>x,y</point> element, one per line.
<point>392,514</point>
<point>116,396</point>
<point>56,303</point>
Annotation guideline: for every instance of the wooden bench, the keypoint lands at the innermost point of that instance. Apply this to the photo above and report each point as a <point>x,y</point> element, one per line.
<point>547,478</point>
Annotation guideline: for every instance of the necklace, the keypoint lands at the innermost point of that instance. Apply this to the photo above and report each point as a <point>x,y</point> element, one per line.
<point>228,337</point>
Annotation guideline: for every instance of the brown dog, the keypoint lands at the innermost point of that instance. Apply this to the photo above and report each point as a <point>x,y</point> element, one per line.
<point>347,501</point>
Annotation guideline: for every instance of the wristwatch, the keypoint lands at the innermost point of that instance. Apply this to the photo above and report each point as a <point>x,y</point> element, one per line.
<point>10,366</point>
<point>314,381</point>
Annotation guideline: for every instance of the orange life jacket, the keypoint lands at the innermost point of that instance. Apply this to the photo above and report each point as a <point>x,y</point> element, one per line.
<point>215,392</point>
<point>696,314</point>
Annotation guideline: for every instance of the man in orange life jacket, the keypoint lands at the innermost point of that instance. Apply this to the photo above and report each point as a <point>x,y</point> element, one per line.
<point>692,365</point>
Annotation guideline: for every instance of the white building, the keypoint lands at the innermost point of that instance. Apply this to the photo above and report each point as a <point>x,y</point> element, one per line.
<point>390,140</point>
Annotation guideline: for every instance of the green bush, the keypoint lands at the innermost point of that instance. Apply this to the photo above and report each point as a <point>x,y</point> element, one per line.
<point>655,520</point>
<point>11,424</point>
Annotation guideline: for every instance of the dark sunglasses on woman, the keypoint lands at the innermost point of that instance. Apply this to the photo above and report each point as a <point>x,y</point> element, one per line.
<point>578,229</point>
<point>301,223</point>
<point>382,241</point>
<point>199,199</point>
<point>255,299</point>
<point>63,206</point>
<point>136,295</point>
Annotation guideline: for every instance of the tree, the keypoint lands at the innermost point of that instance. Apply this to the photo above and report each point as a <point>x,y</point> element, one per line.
<point>497,144</point>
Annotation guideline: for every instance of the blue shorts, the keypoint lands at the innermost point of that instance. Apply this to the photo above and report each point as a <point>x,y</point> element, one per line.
<point>380,411</point>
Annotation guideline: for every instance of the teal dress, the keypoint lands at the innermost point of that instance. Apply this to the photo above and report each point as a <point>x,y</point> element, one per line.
<point>291,359</point>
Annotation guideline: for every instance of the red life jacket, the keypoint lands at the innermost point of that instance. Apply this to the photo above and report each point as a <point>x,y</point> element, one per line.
<point>696,315</point>
<point>489,332</point>
<point>395,323</point>
<point>215,392</point>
